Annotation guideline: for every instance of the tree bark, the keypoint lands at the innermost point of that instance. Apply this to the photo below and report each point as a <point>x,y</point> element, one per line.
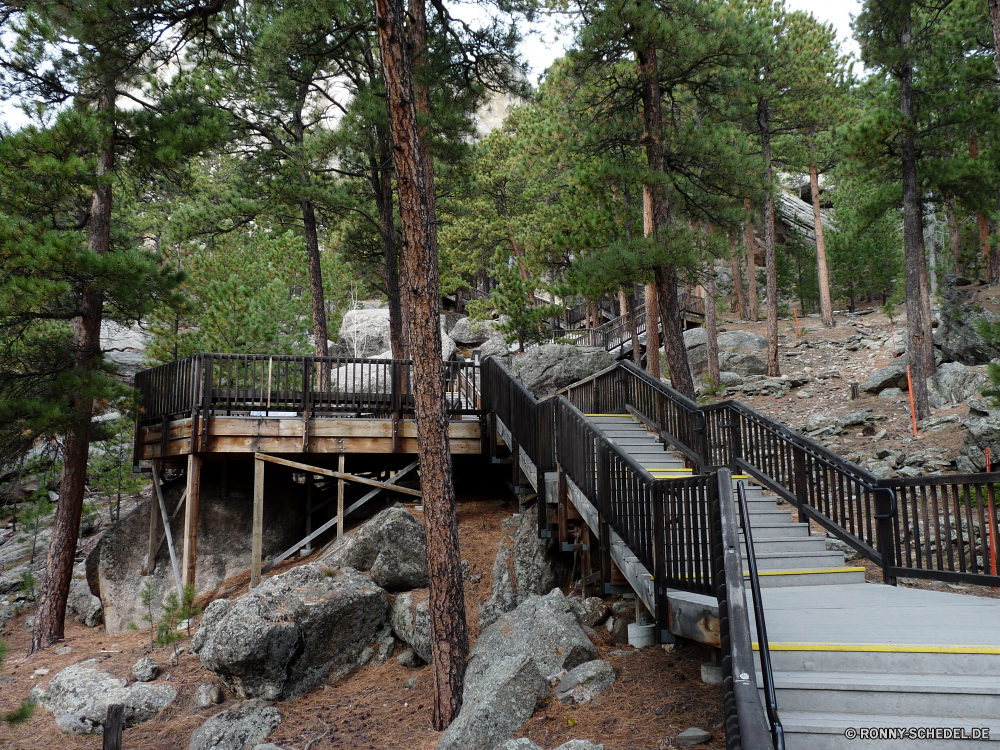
<point>770,257</point>
<point>449,634</point>
<point>823,274</point>
<point>925,297</point>
<point>995,21</point>
<point>381,169</point>
<point>652,331</point>
<point>954,232</point>
<point>915,324</point>
<point>320,332</point>
<point>50,616</point>
<point>739,301</point>
<point>632,332</point>
<point>622,302</point>
<point>711,328</point>
<point>753,303</point>
<point>654,216</point>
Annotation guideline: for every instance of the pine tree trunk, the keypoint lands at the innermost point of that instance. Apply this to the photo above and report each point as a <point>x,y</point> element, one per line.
<point>712,329</point>
<point>925,297</point>
<point>632,332</point>
<point>320,332</point>
<point>652,331</point>
<point>382,184</point>
<point>50,616</point>
<point>823,274</point>
<point>912,230</point>
<point>655,216</point>
<point>954,232</point>
<point>995,21</point>
<point>449,635</point>
<point>770,256</point>
<point>622,303</point>
<point>753,303</point>
<point>739,301</point>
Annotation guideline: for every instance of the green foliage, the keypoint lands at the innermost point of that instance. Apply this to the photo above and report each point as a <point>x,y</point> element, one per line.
<point>174,611</point>
<point>28,583</point>
<point>21,714</point>
<point>109,471</point>
<point>147,596</point>
<point>4,650</point>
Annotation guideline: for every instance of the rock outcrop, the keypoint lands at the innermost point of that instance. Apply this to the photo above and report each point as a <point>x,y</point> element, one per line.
<point>244,726</point>
<point>742,363</point>
<point>365,332</point>
<point>391,547</point>
<point>293,631</point>
<point>524,566</point>
<point>115,566</point>
<point>80,694</point>
<point>508,668</point>
<point>546,369</point>
<point>892,375</point>
<point>741,340</point>
<point>83,605</point>
<point>411,621</point>
<point>956,335</point>
<point>953,383</point>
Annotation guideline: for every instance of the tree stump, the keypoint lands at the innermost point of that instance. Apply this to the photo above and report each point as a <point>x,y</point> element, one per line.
<point>855,391</point>
<point>113,726</point>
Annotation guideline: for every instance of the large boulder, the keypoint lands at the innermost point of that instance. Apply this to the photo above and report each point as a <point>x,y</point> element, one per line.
<point>956,335</point>
<point>743,364</point>
<point>695,337</point>
<point>508,668</point>
<point>116,565</point>
<point>391,547</point>
<point>83,605</point>
<point>741,340</point>
<point>892,375</point>
<point>244,726</point>
<point>698,359</point>
<point>467,332</point>
<point>546,369</point>
<point>586,682</point>
<point>524,566</point>
<point>365,332</point>
<point>80,694</point>
<point>984,432</point>
<point>411,621</point>
<point>294,630</point>
<point>363,377</point>
<point>953,383</point>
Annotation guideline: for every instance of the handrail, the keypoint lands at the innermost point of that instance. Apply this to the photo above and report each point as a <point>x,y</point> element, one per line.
<point>746,723</point>
<point>767,674</point>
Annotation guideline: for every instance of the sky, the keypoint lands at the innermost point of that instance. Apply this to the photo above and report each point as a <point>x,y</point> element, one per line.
<point>546,44</point>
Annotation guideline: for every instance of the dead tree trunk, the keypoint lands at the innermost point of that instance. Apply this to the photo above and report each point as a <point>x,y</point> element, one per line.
<point>449,635</point>
<point>822,273</point>
<point>753,304</point>
<point>50,616</point>
<point>915,324</point>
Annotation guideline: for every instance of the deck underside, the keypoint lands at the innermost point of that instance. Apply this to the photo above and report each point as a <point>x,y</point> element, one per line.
<point>249,435</point>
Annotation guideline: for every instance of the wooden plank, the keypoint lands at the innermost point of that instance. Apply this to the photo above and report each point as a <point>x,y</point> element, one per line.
<point>291,550</point>
<point>336,474</point>
<point>166,524</point>
<point>173,515</point>
<point>191,519</point>
<point>392,480</point>
<point>309,508</point>
<point>340,501</point>
<point>258,522</point>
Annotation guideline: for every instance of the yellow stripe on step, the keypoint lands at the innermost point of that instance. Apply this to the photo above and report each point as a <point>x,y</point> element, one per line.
<point>804,572</point>
<point>888,648</point>
<point>609,415</point>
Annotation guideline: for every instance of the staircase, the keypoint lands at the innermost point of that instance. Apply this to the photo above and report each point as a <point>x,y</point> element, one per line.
<point>848,655</point>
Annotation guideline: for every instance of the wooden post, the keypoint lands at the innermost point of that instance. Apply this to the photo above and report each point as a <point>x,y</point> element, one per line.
<point>166,527</point>
<point>114,723</point>
<point>309,511</point>
<point>561,513</point>
<point>258,522</point>
<point>191,519</point>
<point>153,546</point>
<point>340,503</point>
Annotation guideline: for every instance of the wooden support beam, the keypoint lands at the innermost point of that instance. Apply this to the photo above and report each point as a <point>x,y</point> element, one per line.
<point>340,502</point>
<point>258,522</point>
<point>309,509</point>
<point>389,482</point>
<point>191,519</point>
<point>336,474</point>
<point>166,525</point>
<point>173,515</point>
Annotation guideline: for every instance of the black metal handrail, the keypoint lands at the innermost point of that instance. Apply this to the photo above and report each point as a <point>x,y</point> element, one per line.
<point>767,674</point>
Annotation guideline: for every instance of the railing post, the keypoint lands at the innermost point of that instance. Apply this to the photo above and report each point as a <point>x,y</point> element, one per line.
<point>801,484</point>
<point>603,504</point>
<point>206,400</point>
<point>660,566</point>
<point>885,518</point>
<point>736,435</point>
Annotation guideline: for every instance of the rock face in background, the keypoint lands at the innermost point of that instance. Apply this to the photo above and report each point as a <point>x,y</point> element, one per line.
<point>294,630</point>
<point>79,697</point>
<point>508,668</point>
<point>364,333</point>
<point>125,347</point>
<point>546,369</point>
<point>238,728</point>
<point>391,547</point>
<point>956,334</point>
<point>83,605</point>
<point>524,566</point>
<point>411,621</point>
<point>953,383</point>
<point>115,566</point>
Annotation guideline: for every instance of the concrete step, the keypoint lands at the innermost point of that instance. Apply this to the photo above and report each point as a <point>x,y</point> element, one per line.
<point>893,694</point>
<point>766,515</point>
<point>889,658</point>
<point>807,730</point>
<point>764,543</point>
<point>797,560</point>
<point>770,579</point>
<point>770,530</point>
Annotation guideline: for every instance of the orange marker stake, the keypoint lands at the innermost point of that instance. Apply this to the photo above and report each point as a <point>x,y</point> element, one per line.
<point>797,329</point>
<point>913,411</point>
<point>993,518</point>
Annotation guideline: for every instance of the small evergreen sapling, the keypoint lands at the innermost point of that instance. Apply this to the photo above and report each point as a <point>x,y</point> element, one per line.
<point>146,596</point>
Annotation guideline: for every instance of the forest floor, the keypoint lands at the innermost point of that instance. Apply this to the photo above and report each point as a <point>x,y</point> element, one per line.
<point>657,694</point>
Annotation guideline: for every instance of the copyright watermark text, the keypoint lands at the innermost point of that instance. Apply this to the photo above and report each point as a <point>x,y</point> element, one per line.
<point>917,733</point>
